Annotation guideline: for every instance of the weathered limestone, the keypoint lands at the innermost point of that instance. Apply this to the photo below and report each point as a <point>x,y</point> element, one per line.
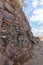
<point>15,34</point>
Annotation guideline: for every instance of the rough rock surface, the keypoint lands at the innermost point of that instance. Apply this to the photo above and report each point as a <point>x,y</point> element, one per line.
<point>17,44</point>
<point>15,34</point>
<point>37,55</point>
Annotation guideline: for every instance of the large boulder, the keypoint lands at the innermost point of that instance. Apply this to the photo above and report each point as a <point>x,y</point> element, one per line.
<point>15,33</point>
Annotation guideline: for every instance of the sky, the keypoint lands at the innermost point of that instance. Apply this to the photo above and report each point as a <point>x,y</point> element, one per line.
<point>34,13</point>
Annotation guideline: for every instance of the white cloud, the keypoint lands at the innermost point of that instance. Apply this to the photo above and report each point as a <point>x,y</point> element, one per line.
<point>41,2</point>
<point>37,31</point>
<point>37,16</point>
<point>35,3</point>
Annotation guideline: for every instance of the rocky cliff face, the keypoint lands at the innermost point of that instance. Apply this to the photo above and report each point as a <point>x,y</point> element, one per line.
<point>15,34</point>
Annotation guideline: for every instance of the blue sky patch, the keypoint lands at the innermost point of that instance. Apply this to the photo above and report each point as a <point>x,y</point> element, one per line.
<point>34,13</point>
